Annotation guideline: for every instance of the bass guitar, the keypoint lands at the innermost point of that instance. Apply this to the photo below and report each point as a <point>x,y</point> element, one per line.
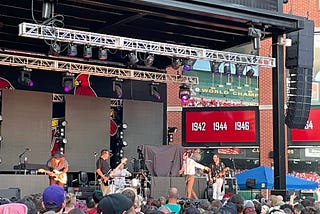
<point>58,176</point>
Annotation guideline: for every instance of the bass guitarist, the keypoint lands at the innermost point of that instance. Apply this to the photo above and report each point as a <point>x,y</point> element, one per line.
<point>103,170</point>
<point>58,167</point>
<point>216,176</point>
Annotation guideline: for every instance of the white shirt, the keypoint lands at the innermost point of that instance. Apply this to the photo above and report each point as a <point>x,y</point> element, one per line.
<point>189,166</point>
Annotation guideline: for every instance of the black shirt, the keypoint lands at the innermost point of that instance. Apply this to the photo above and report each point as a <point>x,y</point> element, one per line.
<point>103,165</point>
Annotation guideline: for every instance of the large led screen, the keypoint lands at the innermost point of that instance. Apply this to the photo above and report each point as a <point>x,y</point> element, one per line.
<point>224,126</point>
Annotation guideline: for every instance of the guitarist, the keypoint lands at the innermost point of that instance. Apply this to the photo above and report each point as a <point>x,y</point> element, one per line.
<point>58,167</point>
<point>216,176</point>
<point>103,169</point>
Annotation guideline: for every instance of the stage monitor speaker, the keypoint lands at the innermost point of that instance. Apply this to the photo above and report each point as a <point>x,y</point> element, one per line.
<point>299,102</point>
<point>251,183</point>
<point>300,53</point>
<point>13,194</point>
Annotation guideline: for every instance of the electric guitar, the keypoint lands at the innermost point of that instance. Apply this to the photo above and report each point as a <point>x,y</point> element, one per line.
<point>58,176</point>
<point>110,172</point>
<point>220,174</point>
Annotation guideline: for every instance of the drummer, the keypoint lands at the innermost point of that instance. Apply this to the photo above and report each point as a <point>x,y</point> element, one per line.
<point>119,176</point>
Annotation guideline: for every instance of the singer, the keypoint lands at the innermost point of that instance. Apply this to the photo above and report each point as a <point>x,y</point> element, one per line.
<point>103,170</point>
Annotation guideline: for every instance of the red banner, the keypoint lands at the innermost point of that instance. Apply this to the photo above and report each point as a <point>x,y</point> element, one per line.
<point>311,131</point>
<point>221,126</point>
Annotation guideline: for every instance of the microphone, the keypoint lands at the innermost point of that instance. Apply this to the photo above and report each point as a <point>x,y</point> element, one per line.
<point>28,149</point>
<point>95,154</point>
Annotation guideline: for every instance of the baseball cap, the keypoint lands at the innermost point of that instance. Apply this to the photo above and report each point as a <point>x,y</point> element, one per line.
<point>115,203</point>
<point>53,196</point>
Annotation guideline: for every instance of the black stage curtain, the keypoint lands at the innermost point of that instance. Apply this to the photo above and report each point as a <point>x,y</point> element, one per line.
<point>162,160</point>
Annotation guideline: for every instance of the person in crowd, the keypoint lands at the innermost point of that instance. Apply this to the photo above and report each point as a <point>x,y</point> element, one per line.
<point>70,202</point>
<point>53,199</point>
<point>103,169</point>
<point>13,208</point>
<point>119,175</point>
<point>216,176</point>
<point>189,169</point>
<point>172,203</point>
<point>58,167</point>
<point>116,203</point>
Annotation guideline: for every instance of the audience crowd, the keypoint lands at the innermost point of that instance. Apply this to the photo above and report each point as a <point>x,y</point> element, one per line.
<point>54,199</point>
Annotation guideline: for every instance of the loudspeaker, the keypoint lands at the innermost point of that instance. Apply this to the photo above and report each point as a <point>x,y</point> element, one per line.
<point>251,183</point>
<point>300,53</point>
<point>299,101</point>
<point>13,194</point>
<point>230,185</point>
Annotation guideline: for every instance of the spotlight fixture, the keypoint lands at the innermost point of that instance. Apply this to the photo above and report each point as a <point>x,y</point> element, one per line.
<point>184,92</point>
<point>215,67</point>
<point>176,63</point>
<point>188,64</point>
<point>250,73</point>
<point>87,52</point>
<point>227,68</point>
<point>172,129</point>
<point>48,8</point>
<point>117,87</point>
<point>154,90</point>
<point>149,60</point>
<point>103,53</point>
<point>133,59</point>
<point>72,50</point>
<point>239,69</point>
<point>68,81</point>
<point>25,77</point>
<point>124,126</point>
<point>256,36</point>
<point>55,49</point>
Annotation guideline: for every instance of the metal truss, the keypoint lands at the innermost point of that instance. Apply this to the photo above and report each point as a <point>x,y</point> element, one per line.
<point>60,98</point>
<point>96,70</point>
<point>123,43</point>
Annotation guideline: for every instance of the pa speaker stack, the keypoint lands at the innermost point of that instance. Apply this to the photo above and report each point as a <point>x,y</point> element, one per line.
<point>299,61</point>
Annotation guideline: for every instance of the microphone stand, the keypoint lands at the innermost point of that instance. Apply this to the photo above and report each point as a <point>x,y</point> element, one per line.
<point>170,173</point>
<point>20,162</point>
<point>95,172</point>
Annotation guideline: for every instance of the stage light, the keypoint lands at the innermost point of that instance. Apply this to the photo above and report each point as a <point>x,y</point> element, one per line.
<point>64,123</point>
<point>48,8</point>
<point>184,92</point>
<point>68,82</point>
<point>103,53</point>
<point>64,140</point>
<point>239,69</point>
<point>133,59</point>
<point>87,52</point>
<point>55,49</point>
<point>124,143</point>
<point>256,36</point>
<point>72,50</point>
<point>124,126</point>
<point>25,77</point>
<point>188,64</point>
<point>172,129</point>
<point>176,63</point>
<point>117,87</point>
<point>149,60</point>
<point>250,73</point>
<point>227,68</point>
<point>215,67</point>
<point>154,91</point>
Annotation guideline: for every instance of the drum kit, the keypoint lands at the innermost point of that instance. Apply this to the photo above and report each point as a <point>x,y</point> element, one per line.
<point>141,183</point>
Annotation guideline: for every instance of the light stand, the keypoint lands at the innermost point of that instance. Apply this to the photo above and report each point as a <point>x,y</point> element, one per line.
<point>95,172</point>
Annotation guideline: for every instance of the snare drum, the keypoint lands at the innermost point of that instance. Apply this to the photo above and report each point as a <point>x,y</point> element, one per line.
<point>135,182</point>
